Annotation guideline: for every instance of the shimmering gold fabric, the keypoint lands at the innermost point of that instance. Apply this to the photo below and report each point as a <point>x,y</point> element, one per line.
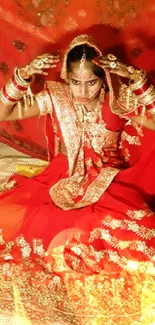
<point>12,161</point>
<point>31,298</point>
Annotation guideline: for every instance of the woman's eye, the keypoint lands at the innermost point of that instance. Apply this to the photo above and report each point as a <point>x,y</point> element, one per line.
<point>92,83</point>
<point>75,82</point>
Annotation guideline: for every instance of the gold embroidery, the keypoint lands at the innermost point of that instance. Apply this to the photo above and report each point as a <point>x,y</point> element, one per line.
<point>139,214</point>
<point>6,185</point>
<point>142,231</point>
<point>89,162</point>
<point>131,139</point>
<point>44,102</point>
<point>24,246</point>
<point>137,245</point>
<point>67,119</point>
<point>32,294</point>
<point>63,192</point>
<point>90,257</point>
<point>136,126</point>
<point>101,137</point>
<point>122,100</point>
<point>100,184</point>
<point>127,101</point>
<point>38,247</point>
<point>126,154</point>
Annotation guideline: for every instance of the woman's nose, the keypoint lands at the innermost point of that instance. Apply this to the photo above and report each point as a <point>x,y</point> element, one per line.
<point>84,91</point>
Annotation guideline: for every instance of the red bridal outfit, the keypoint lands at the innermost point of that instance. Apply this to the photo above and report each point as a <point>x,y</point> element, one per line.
<point>77,241</point>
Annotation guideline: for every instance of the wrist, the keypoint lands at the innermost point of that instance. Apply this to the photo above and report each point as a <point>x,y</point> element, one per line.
<point>144,90</point>
<point>137,76</point>
<point>16,88</point>
<point>139,82</point>
<point>24,74</point>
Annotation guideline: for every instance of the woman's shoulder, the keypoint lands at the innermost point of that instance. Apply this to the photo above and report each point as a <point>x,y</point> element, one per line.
<point>55,84</point>
<point>56,88</point>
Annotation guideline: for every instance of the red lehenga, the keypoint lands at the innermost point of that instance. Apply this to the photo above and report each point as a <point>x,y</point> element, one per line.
<point>77,244</point>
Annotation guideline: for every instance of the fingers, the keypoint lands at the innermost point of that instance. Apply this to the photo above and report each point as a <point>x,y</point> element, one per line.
<point>103,62</point>
<point>49,66</point>
<point>100,62</point>
<point>111,66</point>
<point>43,63</point>
<point>49,58</point>
<point>48,55</point>
<point>38,71</point>
<point>40,64</point>
<point>49,62</point>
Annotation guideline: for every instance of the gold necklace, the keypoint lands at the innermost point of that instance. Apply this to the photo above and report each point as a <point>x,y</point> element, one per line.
<point>84,115</point>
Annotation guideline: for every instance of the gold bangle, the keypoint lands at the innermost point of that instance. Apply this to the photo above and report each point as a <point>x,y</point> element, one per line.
<point>12,91</point>
<point>140,83</point>
<point>44,102</point>
<point>5,100</point>
<point>147,92</point>
<point>19,79</point>
<point>151,110</point>
<point>148,100</point>
<point>148,96</point>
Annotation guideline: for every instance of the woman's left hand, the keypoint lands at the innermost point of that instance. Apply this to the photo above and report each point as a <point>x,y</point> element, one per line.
<point>111,64</point>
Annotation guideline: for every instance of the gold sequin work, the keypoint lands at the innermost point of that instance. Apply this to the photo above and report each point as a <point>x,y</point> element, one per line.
<point>130,225</point>
<point>47,292</point>
<point>131,139</point>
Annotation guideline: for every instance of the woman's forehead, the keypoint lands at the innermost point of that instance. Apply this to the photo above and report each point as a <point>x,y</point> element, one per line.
<point>86,72</point>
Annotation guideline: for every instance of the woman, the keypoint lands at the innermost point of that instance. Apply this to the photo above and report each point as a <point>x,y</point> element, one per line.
<point>77,243</point>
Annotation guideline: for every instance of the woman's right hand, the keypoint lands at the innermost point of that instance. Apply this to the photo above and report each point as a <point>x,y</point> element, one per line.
<point>39,65</point>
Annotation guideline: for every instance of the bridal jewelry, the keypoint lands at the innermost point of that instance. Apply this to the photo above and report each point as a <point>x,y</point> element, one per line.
<point>113,59</point>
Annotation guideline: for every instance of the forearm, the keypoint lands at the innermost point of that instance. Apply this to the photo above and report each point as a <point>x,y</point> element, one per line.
<point>145,93</point>
<point>21,112</point>
<point>15,89</point>
<point>17,102</point>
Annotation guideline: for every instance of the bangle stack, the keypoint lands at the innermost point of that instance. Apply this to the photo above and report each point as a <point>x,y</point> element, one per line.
<point>17,88</point>
<point>145,93</point>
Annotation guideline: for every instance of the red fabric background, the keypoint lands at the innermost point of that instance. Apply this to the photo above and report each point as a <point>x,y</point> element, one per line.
<point>32,27</point>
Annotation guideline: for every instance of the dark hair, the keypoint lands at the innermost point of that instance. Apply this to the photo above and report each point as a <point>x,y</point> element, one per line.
<point>75,55</point>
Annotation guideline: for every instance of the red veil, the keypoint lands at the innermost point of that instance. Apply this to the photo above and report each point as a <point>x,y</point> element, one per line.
<point>32,27</point>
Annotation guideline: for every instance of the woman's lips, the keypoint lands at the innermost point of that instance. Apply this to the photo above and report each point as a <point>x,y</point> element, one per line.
<point>84,100</point>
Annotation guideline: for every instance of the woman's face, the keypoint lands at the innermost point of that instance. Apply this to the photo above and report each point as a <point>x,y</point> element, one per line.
<point>84,84</point>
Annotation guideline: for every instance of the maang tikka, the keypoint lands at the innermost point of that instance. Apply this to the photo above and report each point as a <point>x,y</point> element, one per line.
<point>83,60</point>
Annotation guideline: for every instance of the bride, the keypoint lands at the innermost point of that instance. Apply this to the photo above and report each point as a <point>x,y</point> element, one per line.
<point>77,241</point>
